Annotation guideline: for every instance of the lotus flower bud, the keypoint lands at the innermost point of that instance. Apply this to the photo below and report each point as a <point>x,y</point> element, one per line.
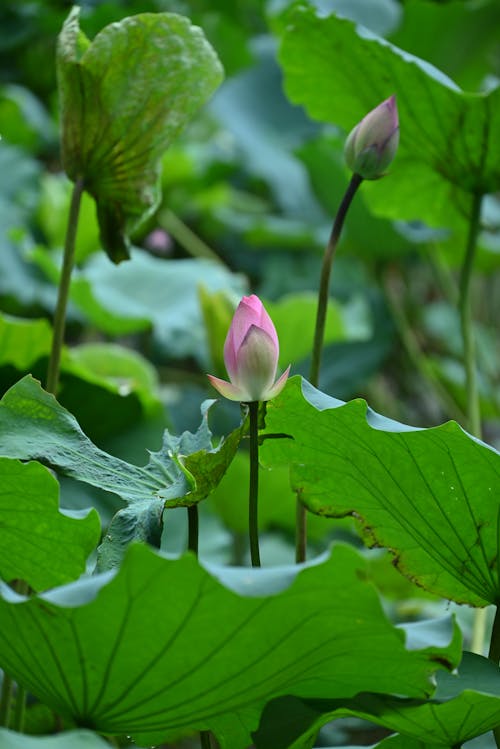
<point>251,355</point>
<point>372,144</point>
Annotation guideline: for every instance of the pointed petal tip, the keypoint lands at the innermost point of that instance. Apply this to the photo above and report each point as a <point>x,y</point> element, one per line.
<point>227,389</point>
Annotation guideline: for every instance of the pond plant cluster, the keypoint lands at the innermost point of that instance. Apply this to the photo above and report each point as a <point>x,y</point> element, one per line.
<point>288,570</point>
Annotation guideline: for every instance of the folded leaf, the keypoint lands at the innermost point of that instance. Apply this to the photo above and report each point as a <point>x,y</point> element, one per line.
<point>124,97</point>
<point>466,704</point>
<point>33,425</point>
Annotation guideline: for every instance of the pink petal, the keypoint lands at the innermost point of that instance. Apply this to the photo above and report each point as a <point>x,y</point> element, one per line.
<point>247,313</point>
<point>257,361</point>
<point>278,386</point>
<point>228,390</point>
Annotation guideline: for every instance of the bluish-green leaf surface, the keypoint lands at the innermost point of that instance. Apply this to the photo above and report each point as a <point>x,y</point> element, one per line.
<point>161,648</point>
<point>38,543</point>
<point>429,495</point>
<point>466,704</point>
<point>66,740</point>
<point>124,97</point>
<point>448,149</point>
<point>148,292</point>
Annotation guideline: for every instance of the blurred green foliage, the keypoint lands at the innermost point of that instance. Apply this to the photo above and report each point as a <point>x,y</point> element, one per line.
<point>249,192</point>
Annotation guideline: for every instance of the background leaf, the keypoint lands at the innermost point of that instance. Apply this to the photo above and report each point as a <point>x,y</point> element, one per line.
<point>38,543</point>
<point>149,292</point>
<point>447,148</point>
<point>429,495</point>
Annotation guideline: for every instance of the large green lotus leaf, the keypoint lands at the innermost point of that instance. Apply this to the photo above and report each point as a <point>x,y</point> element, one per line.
<point>472,29</point>
<point>33,425</point>
<point>161,648</point>
<point>466,704</point>
<point>38,543</point>
<point>448,144</point>
<point>429,495</point>
<point>66,740</point>
<point>123,99</point>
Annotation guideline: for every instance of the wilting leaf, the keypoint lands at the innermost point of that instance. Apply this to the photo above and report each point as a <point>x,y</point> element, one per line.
<point>124,97</point>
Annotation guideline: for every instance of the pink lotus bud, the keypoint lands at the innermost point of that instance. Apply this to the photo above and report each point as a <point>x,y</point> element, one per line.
<point>251,355</point>
<point>373,143</point>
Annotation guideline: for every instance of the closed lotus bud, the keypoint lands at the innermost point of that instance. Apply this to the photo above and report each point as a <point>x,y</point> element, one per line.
<point>372,144</point>
<point>251,355</point>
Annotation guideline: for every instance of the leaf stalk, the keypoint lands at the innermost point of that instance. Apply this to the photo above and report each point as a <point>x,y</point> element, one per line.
<point>319,336</point>
<point>253,493</point>
<point>64,286</point>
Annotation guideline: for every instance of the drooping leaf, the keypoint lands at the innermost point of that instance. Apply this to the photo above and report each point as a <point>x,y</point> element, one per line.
<point>38,543</point>
<point>130,652</point>
<point>145,76</point>
<point>466,704</point>
<point>33,425</point>
<point>429,495</point>
<point>448,148</point>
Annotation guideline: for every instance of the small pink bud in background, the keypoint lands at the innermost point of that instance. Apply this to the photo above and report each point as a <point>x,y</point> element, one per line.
<point>159,242</point>
<point>251,354</point>
<point>372,144</point>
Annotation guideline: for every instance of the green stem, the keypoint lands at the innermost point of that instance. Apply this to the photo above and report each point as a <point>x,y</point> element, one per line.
<point>190,241</point>
<point>465,310</point>
<point>253,494</point>
<point>494,652</point>
<point>5,701</point>
<point>193,535</point>
<point>64,284</point>
<point>319,335</point>
<point>469,354</point>
<point>414,352</point>
<point>324,281</point>
<point>19,710</point>
<point>494,655</point>
<point>193,528</point>
<point>205,740</point>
